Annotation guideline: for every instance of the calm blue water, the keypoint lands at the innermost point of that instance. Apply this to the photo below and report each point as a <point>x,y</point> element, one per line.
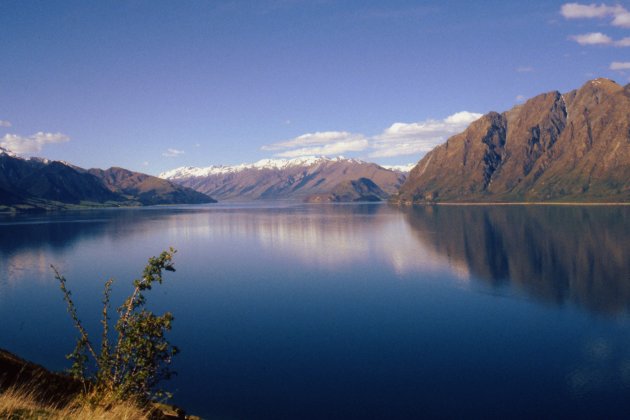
<point>349,311</point>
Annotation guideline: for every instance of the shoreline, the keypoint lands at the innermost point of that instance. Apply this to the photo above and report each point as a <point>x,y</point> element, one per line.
<point>510,203</point>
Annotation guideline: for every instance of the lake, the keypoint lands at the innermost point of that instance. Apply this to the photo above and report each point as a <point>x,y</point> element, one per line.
<point>349,311</point>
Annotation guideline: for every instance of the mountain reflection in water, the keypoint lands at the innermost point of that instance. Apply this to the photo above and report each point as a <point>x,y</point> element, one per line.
<point>349,311</point>
<point>558,254</point>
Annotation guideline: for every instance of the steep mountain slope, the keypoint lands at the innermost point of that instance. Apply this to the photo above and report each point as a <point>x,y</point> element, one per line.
<point>284,179</point>
<point>147,189</point>
<point>38,184</point>
<point>572,147</point>
<point>25,180</point>
<point>59,182</point>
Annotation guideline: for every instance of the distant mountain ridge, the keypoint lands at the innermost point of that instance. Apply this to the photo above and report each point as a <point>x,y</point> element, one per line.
<point>299,178</point>
<point>147,189</point>
<point>554,147</point>
<point>42,184</point>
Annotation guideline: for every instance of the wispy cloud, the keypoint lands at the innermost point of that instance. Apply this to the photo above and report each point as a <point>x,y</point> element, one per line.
<point>31,144</point>
<point>414,138</point>
<point>624,42</point>
<point>5,123</point>
<point>622,19</point>
<point>319,143</point>
<point>619,14</point>
<point>520,98</point>
<point>333,149</point>
<point>319,138</point>
<point>399,139</point>
<point>593,38</point>
<point>620,66</point>
<point>173,153</point>
<point>525,69</point>
<point>598,38</point>
<point>586,11</point>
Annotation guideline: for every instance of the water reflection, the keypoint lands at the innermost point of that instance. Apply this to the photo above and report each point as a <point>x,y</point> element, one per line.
<point>278,309</point>
<point>30,244</point>
<point>558,254</point>
<point>330,236</point>
<point>322,236</point>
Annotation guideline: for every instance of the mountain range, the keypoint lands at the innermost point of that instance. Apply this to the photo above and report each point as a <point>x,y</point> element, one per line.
<point>555,147</point>
<point>318,179</point>
<point>571,147</point>
<point>41,184</point>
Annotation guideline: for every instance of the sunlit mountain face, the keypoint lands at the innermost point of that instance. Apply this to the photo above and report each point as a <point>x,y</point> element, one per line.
<point>299,178</point>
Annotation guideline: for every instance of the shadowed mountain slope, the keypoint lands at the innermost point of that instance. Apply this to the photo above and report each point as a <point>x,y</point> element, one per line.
<point>40,184</point>
<point>147,189</point>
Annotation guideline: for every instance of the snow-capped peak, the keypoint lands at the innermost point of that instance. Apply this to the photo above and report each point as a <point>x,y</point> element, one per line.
<point>41,160</point>
<point>263,164</point>
<point>4,151</point>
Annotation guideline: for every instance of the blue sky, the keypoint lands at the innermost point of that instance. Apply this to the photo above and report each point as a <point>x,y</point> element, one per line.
<point>152,85</point>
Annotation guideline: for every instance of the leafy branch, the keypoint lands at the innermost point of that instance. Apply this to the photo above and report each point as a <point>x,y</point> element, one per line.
<point>142,355</point>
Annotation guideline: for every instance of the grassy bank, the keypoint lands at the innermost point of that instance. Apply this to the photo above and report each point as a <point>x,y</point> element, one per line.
<point>29,391</point>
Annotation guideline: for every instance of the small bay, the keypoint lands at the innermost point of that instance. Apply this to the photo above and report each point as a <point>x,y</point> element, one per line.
<point>351,310</point>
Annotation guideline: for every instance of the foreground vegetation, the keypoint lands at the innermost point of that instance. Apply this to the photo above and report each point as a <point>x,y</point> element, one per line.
<point>23,403</point>
<point>119,379</point>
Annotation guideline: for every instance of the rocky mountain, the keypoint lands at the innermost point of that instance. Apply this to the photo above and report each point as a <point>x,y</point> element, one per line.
<point>39,184</point>
<point>554,147</point>
<point>301,178</point>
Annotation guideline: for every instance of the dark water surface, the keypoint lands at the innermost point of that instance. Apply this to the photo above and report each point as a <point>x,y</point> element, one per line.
<point>350,311</point>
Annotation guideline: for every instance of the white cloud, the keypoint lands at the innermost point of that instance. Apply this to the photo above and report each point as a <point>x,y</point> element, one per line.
<point>401,168</point>
<point>319,138</point>
<point>397,140</point>
<point>5,123</point>
<point>622,19</point>
<point>460,119</point>
<point>173,153</point>
<point>419,137</point>
<point>31,144</point>
<point>616,65</point>
<point>333,149</point>
<point>593,38</point>
<point>620,15</point>
<point>598,38</point>
<point>624,42</point>
<point>525,69</point>
<point>520,98</point>
<point>320,143</point>
<point>587,11</point>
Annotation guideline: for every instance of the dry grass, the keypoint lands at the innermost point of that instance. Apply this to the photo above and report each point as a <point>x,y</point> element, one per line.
<point>23,404</point>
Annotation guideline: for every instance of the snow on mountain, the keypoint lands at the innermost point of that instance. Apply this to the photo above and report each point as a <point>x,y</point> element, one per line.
<point>4,151</point>
<point>41,160</point>
<point>400,168</point>
<point>298,178</point>
<point>263,164</point>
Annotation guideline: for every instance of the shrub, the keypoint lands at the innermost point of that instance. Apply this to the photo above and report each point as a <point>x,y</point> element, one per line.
<point>131,367</point>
